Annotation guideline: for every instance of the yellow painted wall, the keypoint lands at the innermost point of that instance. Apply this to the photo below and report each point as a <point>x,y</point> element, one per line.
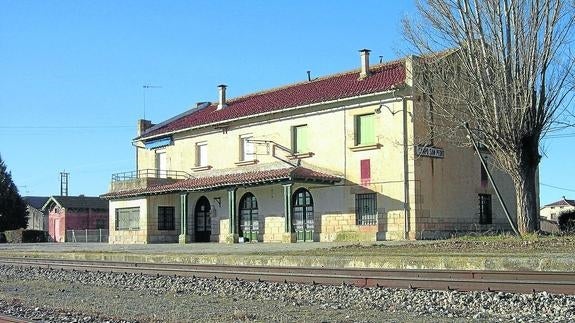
<point>443,193</point>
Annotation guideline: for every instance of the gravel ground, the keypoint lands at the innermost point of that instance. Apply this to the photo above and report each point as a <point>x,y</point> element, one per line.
<point>73,296</point>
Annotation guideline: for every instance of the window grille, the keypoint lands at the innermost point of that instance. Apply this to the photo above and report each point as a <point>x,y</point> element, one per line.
<point>166,218</point>
<point>485,216</point>
<point>128,218</point>
<point>366,209</point>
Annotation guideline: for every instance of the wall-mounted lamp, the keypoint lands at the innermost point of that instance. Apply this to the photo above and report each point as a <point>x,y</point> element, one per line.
<point>393,112</point>
<point>218,200</point>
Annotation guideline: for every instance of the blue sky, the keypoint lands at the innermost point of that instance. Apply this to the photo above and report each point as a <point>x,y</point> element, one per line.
<point>72,74</point>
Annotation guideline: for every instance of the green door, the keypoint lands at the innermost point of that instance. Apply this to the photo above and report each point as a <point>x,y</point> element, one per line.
<point>203,222</point>
<point>302,215</point>
<point>249,225</point>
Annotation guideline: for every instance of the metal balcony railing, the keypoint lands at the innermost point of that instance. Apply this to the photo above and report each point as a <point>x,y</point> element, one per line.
<point>149,173</point>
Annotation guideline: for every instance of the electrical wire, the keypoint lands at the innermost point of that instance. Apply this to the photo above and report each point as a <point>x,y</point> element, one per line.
<point>557,187</point>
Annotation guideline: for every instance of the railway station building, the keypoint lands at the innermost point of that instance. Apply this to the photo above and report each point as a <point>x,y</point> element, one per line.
<point>335,158</point>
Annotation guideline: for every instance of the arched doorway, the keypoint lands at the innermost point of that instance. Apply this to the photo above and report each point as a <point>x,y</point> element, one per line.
<point>302,215</point>
<point>203,220</point>
<point>249,225</point>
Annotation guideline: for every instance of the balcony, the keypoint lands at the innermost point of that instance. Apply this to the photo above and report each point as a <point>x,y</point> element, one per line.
<point>145,178</point>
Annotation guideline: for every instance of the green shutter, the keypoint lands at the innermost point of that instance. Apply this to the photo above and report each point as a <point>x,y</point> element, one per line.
<point>365,127</point>
<point>300,139</point>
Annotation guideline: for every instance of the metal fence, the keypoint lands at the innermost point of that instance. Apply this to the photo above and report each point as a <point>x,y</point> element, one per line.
<point>90,235</point>
<point>149,173</point>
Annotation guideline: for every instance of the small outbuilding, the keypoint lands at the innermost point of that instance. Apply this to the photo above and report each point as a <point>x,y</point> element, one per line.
<point>37,219</point>
<point>76,215</point>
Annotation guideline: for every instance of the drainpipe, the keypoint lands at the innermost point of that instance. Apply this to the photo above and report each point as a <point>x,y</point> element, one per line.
<point>406,210</point>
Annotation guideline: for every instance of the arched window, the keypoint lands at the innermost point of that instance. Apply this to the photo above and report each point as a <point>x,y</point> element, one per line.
<point>249,226</point>
<point>302,215</point>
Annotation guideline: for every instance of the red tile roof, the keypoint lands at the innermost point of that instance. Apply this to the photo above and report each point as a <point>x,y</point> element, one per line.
<point>563,202</point>
<point>383,77</point>
<point>229,180</point>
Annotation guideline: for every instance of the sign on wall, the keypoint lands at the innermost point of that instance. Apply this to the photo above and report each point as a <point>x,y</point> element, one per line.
<point>427,151</point>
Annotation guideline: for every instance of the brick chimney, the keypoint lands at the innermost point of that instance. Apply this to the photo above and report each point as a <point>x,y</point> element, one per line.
<point>222,102</point>
<point>364,54</point>
<point>143,125</point>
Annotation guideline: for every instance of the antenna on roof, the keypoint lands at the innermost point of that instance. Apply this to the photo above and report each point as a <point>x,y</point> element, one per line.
<point>309,76</point>
<point>380,59</point>
<point>145,87</point>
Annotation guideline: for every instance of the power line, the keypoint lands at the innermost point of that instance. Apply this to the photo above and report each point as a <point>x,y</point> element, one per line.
<point>557,187</point>
<point>63,127</point>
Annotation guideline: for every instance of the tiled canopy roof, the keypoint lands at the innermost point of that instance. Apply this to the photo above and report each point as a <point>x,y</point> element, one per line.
<point>383,77</point>
<point>229,180</point>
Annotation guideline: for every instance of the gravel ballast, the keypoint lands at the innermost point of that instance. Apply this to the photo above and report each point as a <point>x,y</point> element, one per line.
<point>74,296</point>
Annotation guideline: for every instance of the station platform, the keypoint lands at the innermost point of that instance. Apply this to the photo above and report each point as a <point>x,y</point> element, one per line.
<point>385,254</point>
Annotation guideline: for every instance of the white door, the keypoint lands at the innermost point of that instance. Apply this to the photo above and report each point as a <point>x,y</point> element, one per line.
<point>161,164</point>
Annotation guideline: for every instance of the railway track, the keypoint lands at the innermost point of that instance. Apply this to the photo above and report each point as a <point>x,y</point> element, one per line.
<point>11,319</point>
<point>462,280</point>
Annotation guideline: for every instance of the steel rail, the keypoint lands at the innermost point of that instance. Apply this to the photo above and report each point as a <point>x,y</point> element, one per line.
<point>12,319</point>
<point>463,280</point>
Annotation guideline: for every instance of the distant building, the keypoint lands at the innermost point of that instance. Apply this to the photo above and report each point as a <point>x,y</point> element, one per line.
<point>552,211</point>
<point>75,213</point>
<point>37,219</point>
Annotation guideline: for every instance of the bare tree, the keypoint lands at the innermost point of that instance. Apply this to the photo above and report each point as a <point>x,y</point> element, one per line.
<point>507,74</point>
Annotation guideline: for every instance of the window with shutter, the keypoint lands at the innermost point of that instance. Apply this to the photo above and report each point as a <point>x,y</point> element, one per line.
<point>300,139</point>
<point>365,129</point>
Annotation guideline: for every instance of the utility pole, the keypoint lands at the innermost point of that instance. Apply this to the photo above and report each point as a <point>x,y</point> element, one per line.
<point>64,183</point>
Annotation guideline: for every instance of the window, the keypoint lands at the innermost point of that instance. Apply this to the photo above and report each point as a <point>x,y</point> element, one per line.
<point>201,154</point>
<point>247,151</point>
<point>366,209</point>
<point>128,218</point>
<point>365,129</point>
<point>166,218</point>
<point>485,209</point>
<point>484,177</point>
<point>299,139</point>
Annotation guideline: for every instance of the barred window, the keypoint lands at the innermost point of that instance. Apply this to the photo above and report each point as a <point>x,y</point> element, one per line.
<point>166,218</point>
<point>485,209</point>
<point>128,218</point>
<point>366,209</point>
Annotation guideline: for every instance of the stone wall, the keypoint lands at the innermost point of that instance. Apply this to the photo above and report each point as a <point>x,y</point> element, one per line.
<point>274,229</point>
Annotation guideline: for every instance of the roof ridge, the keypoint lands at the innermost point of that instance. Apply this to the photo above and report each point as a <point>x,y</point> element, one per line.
<point>315,80</point>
